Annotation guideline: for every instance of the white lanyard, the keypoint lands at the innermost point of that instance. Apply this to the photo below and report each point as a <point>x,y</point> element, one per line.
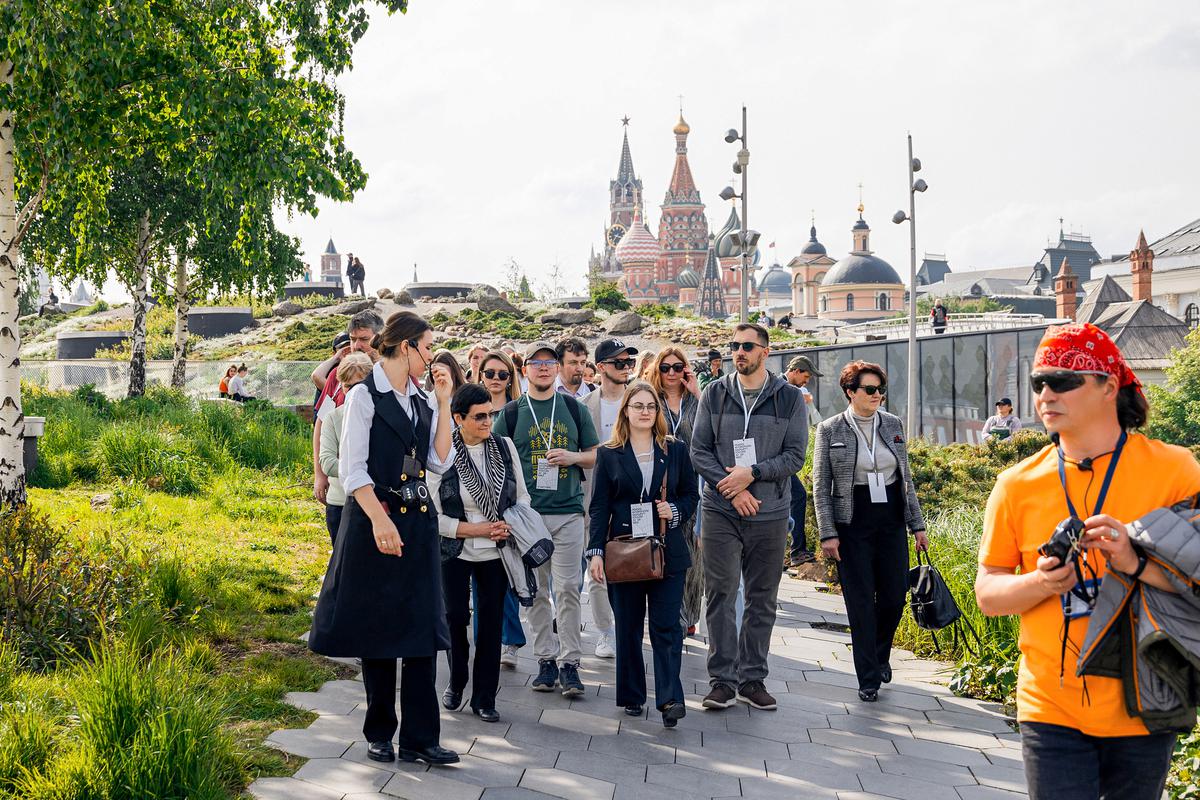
<point>553,409</point>
<point>859,434</point>
<point>674,421</point>
<point>746,411</point>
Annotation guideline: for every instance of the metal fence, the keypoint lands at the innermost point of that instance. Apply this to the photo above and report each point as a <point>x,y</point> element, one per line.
<point>280,382</point>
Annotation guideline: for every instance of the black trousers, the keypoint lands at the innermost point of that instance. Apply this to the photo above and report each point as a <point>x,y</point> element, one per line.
<point>630,601</point>
<point>874,577</point>
<point>1066,764</point>
<point>333,518</point>
<point>491,584</point>
<point>420,725</point>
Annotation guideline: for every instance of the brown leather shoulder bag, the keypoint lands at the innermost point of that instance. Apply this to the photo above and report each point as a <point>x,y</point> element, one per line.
<point>628,558</point>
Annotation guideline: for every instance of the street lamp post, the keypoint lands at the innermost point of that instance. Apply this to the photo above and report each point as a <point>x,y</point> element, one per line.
<point>919,185</point>
<point>746,239</point>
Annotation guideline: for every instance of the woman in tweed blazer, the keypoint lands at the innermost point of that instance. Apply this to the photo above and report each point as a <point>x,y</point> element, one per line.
<point>864,496</point>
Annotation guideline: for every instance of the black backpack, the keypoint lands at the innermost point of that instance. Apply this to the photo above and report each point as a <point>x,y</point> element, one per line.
<point>933,606</point>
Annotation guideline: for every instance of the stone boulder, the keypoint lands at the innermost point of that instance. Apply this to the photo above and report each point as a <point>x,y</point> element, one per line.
<point>355,306</point>
<point>384,293</point>
<point>624,322</point>
<point>489,303</point>
<point>568,316</point>
<point>287,309</point>
<point>403,298</point>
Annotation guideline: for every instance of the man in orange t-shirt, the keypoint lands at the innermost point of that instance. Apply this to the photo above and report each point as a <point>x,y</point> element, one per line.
<point>1079,741</point>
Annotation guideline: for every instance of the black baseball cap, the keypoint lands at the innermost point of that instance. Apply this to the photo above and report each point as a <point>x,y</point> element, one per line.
<point>715,355</point>
<point>613,347</point>
<point>340,341</point>
<point>1004,401</point>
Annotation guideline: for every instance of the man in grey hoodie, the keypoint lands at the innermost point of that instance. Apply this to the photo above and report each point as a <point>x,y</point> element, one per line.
<point>750,437</point>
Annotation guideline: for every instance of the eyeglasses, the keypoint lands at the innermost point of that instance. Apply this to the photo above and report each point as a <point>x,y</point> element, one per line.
<point>644,408</point>
<point>873,390</point>
<point>621,363</point>
<point>1060,381</point>
<point>747,346</point>
<point>676,367</point>
<point>493,374</point>
<point>481,417</point>
<point>546,363</point>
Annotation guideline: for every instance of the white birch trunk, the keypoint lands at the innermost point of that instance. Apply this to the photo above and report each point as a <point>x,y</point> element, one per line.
<point>12,420</point>
<point>183,305</point>
<point>137,358</point>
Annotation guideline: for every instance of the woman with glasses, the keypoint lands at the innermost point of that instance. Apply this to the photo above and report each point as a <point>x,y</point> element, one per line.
<point>499,376</point>
<point>631,471</point>
<point>471,498</point>
<point>865,498</point>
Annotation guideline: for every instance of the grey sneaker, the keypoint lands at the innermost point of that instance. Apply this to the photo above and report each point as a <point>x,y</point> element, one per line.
<point>508,656</point>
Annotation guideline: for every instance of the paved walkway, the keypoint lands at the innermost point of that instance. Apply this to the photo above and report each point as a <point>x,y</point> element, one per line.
<point>919,742</point>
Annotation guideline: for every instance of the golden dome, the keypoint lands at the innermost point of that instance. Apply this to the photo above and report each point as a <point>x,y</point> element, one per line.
<point>681,127</point>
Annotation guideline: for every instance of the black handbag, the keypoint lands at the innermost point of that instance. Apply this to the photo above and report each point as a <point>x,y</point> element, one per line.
<point>933,606</point>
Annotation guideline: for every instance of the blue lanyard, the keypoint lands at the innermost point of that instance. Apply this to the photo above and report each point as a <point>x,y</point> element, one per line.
<point>1108,476</point>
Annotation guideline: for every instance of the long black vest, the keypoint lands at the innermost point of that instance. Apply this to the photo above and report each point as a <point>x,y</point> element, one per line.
<point>374,605</point>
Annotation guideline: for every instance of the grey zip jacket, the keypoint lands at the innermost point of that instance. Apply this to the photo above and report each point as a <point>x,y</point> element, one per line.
<point>1149,638</point>
<point>779,427</point>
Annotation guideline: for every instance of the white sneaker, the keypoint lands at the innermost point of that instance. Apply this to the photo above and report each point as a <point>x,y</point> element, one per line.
<point>604,647</point>
<point>508,655</point>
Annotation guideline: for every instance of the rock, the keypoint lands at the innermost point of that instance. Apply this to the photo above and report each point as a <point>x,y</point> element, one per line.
<point>624,322</point>
<point>287,309</point>
<point>384,293</point>
<point>489,303</point>
<point>403,298</point>
<point>355,306</point>
<point>568,316</point>
<point>101,501</point>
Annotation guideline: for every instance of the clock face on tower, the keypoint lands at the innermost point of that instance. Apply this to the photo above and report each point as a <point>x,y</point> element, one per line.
<point>615,233</point>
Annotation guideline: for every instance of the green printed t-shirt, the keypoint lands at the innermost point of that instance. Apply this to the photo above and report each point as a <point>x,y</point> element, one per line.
<point>531,446</point>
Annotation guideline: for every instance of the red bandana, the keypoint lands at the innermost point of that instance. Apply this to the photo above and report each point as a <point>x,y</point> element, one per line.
<point>1083,348</point>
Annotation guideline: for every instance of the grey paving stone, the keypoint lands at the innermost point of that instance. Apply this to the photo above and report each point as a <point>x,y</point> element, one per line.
<point>290,789</point>
<point>868,726</point>
<point>826,775</point>
<point>343,776</point>
<point>307,743</point>
<point>692,780</point>
<point>784,788</point>
<point>1005,757</point>
<point>483,772</point>
<point>579,722</point>
<point>958,736</point>
<point>431,785</point>
<point>825,755</point>
<point>904,788</point>
<point>515,793</point>
<point>547,736</point>
<point>987,793</point>
<point>567,784</point>
<point>639,750</point>
<point>650,791</point>
<point>1009,778</point>
<point>861,796</point>
<point>937,751</point>
<point>785,726</point>
<point>600,765</point>
<point>501,750</point>
<point>320,703</point>
<point>646,730</point>
<point>848,740</point>
<point>925,769</point>
<point>970,721</point>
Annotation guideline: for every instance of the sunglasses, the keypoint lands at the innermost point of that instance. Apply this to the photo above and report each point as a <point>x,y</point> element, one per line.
<point>747,346</point>
<point>665,368</point>
<point>621,363</point>
<point>481,417</point>
<point>642,408</point>
<point>493,374</point>
<point>1060,381</point>
<point>873,390</point>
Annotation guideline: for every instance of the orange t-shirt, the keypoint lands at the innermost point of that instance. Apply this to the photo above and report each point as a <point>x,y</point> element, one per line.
<point>1025,506</point>
<point>223,387</point>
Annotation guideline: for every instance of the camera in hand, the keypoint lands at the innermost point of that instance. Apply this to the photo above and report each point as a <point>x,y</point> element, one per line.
<point>1064,543</point>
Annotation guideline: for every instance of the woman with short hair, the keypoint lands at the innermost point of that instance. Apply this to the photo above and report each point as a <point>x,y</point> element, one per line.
<point>864,497</point>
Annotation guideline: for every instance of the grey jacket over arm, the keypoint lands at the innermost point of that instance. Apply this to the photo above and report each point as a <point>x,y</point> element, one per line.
<point>834,456</point>
<point>1147,637</point>
<point>779,427</point>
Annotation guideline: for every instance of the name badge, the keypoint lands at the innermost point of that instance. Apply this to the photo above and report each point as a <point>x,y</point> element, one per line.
<point>641,517</point>
<point>744,454</point>
<point>1075,608</point>
<point>878,488</point>
<point>547,475</point>
<point>483,543</point>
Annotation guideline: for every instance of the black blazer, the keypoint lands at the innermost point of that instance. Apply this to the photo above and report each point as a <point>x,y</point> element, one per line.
<point>617,483</point>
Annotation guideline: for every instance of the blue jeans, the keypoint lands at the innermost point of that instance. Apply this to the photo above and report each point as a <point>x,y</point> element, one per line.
<point>1066,764</point>
<point>799,507</point>
<point>511,632</point>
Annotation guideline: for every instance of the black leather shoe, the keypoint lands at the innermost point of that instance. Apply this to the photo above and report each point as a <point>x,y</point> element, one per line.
<point>488,714</point>
<point>430,755</point>
<point>672,713</point>
<point>381,751</point>
<point>885,673</point>
<point>868,695</point>
<point>451,700</point>
<point>633,710</point>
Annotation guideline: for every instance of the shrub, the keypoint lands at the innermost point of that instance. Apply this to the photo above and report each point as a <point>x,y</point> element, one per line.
<point>1183,782</point>
<point>1175,408</point>
<point>607,296</point>
<point>950,476</point>
<point>159,458</point>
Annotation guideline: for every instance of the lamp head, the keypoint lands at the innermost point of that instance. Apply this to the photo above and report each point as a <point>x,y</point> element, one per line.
<point>732,136</point>
<point>727,193</point>
<point>737,168</point>
<point>916,165</point>
<point>920,185</point>
<point>752,238</point>
<point>899,217</point>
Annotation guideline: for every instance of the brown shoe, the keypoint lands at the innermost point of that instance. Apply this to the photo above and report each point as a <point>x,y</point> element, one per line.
<point>756,695</point>
<point>721,696</point>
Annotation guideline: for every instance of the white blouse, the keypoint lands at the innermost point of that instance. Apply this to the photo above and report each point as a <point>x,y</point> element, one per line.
<point>356,430</point>
<point>477,548</point>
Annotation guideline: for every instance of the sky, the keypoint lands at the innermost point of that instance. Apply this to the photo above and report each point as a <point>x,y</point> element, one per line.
<point>490,130</point>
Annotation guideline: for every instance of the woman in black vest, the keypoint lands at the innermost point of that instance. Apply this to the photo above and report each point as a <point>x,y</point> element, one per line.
<point>382,595</point>
<point>471,498</point>
<point>631,469</point>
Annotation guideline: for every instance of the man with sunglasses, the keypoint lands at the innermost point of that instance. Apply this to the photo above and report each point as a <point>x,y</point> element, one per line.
<point>749,439</point>
<point>1079,740</point>
<point>556,444</point>
<point>614,364</point>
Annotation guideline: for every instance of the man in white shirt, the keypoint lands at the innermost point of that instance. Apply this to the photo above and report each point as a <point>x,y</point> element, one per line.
<point>572,360</point>
<point>1004,424</point>
<point>614,365</point>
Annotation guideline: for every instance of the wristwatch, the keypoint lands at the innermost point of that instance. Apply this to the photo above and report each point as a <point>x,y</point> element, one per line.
<point>1141,567</point>
<point>755,472</point>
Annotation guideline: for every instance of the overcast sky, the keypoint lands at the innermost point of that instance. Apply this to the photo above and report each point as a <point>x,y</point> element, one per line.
<point>490,129</point>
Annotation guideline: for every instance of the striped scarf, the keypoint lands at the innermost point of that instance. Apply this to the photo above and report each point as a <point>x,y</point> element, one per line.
<point>486,496</point>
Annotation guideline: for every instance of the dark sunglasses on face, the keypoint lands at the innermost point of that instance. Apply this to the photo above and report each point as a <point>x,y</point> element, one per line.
<point>747,346</point>
<point>481,417</point>
<point>665,368</point>
<point>493,374</point>
<point>1059,381</point>
<point>621,363</point>
<point>873,390</point>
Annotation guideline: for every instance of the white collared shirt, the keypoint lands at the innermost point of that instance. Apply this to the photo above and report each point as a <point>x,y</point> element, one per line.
<point>356,430</point>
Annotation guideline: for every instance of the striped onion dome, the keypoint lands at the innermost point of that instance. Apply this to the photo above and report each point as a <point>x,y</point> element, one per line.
<point>638,246</point>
